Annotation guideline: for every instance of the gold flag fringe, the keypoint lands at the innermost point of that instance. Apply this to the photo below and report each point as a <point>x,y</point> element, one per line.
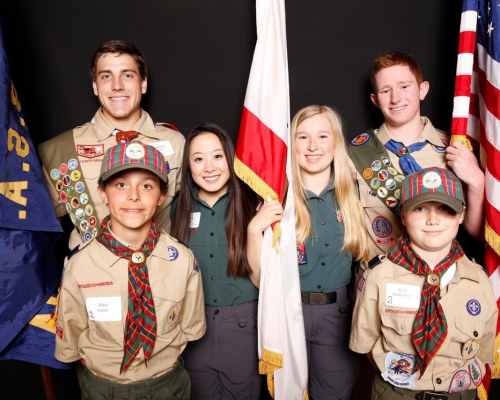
<point>482,394</point>
<point>270,362</point>
<point>261,188</point>
<point>492,238</point>
<point>462,139</point>
<point>45,321</point>
<point>495,371</point>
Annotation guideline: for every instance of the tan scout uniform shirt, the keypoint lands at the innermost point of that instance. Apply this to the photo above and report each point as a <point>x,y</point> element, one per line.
<point>93,310</point>
<point>100,132</point>
<point>383,226</point>
<point>385,311</point>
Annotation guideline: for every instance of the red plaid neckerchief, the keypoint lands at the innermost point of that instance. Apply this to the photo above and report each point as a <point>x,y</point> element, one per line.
<point>140,326</point>
<point>430,327</point>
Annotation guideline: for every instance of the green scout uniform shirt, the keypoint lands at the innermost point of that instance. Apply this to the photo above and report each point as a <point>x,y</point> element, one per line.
<point>328,267</point>
<point>208,242</point>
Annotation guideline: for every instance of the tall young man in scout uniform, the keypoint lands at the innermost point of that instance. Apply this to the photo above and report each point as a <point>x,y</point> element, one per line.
<point>72,160</point>
<point>133,297</point>
<point>405,143</point>
<point>425,313</point>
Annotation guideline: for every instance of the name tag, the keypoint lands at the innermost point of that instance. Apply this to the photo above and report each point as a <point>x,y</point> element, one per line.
<point>164,147</point>
<point>405,296</point>
<point>194,221</point>
<point>104,308</point>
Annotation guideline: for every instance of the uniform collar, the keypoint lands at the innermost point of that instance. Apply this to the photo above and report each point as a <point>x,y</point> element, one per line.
<point>429,133</point>
<point>145,126</point>
<point>464,271</point>
<point>196,190</point>
<point>328,188</point>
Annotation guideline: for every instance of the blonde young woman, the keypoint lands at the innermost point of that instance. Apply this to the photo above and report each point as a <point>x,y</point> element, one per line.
<point>330,234</point>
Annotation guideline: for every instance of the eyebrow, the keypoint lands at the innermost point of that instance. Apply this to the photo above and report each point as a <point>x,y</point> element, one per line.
<point>108,71</point>
<point>213,151</point>
<point>397,83</point>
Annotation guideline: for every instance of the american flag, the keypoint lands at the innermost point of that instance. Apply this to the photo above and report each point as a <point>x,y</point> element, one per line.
<point>476,116</point>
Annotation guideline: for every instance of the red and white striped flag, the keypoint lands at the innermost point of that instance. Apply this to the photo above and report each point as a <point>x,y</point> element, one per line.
<point>263,162</point>
<point>476,116</point>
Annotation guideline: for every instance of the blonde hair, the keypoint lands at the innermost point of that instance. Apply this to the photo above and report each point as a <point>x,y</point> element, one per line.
<point>346,195</point>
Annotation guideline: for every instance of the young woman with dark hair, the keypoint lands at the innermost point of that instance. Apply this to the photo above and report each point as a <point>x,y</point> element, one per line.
<point>211,215</point>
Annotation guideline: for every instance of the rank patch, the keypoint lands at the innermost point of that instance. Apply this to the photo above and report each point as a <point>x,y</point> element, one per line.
<point>470,349</point>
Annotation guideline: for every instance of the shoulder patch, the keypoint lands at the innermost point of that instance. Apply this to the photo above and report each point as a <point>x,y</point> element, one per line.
<point>376,261</point>
<point>168,125</point>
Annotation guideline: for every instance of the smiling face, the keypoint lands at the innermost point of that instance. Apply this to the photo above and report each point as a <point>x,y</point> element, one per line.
<point>132,197</point>
<point>314,147</point>
<point>398,95</point>
<point>209,167</point>
<point>432,226</point>
<point>119,89</point>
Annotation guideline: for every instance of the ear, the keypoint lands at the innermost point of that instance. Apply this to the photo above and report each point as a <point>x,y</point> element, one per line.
<point>160,200</point>
<point>462,217</point>
<point>403,219</point>
<point>94,86</point>
<point>102,194</point>
<point>144,85</point>
<point>424,89</point>
<point>374,99</point>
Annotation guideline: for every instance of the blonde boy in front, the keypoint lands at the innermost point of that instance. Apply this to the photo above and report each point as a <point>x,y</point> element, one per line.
<point>426,314</point>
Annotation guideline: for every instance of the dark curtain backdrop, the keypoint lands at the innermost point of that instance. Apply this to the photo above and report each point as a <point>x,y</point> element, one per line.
<point>199,55</point>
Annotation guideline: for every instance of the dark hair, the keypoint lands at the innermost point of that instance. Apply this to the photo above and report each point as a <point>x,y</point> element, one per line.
<point>102,184</point>
<point>119,47</point>
<point>392,59</point>
<point>240,210</point>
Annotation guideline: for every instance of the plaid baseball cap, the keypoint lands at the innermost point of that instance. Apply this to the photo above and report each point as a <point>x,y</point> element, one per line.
<point>134,154</point>
<point>432,184</point>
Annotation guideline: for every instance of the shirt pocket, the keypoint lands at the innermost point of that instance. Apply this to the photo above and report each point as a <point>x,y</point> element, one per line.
<point>394,328</point>
<point>168,298</point>
<point>111,331</point>
<point>466,336</point>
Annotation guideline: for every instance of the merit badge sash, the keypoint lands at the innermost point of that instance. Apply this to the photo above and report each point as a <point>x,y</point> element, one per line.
<point>68,180</point>
<point>372,161</point>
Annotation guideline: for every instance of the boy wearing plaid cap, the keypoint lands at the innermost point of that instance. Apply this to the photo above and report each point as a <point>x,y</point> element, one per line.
<point>131,298</point>
<point>425,313</point>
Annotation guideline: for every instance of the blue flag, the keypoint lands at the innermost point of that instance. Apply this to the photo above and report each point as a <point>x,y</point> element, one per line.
<point>28,270</point>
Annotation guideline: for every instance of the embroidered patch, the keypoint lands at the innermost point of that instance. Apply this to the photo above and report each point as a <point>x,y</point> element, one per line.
<point>92,221</point>
<point>79,214</point>
<point>87,236</point>
<point>84,225</point>
<point>301,253</point>
<point>438,149</point>
<point>475,373</point>
<point>66,180</point>
<point>473,307</point>
<point>376,165</point>
<point>63,168</point>
<point>73,218</point>
<point>340,218</point>
<point>460,382</point>
<point>79,187</point>
<point>390,184</point>
<point>392,171</point>
<point>431,180</point>
<point>55,174</point>
<point>383,175</point>
<point>72,164</point>
<point>173,253</point>
<point>89,210</point>
<point>84,198</point>
<point>375,183</point>
<point>391,201</point>
<point>372,193</point>
<point>381,227</point>
<point>399,369</point>
<point>135,151</point>
<point>76,175</point>
<point>196,266</point>
<point>63,196</point>
<point>382,192</point>
<point>360,139</point>
<point>75,203</point>
<point>70,191</point>
<point>470,349</point>
<point>59,185</point>
<point>367,173</point>
<point>90,150</point>
<point>59,331</point>
<point>385,161</point>
<point>361,283</point>
<point>399,178</point>
<point>397,194</point>
<point>68,208</point>
<point>173,316</point>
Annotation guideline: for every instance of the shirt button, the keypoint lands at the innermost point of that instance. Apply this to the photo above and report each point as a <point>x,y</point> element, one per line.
<point>327,244</point>
<point>319,286</point>
<point>211,256</point>
<point>320,200</point>
<point>211,233</point>
<point>213,278</point>
<point>322,222</point>
<point>438,381</point>
<point>475,333</point>
<point>215,301</point>
<point>323,263</point>
<point>213,212</point>
<point>216,312</point>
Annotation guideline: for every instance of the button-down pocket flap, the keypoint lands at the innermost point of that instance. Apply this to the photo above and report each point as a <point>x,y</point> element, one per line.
<point>471,328</point>
<point>173,290</point>
<point>402,325</point>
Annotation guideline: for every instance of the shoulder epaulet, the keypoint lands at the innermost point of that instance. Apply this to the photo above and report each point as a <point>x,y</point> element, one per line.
<point>74,251</point>
<point>179,241</point>
<point>376,261</point>
<point>168,125</point>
